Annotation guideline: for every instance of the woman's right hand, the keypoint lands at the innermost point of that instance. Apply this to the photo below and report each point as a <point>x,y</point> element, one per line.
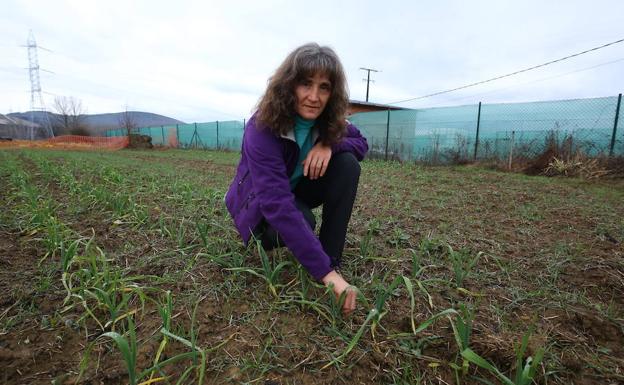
<point>339,286</point>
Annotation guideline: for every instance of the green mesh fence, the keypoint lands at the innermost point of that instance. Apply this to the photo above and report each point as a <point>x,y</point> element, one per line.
<point>448,134</point>
<point>526,129</point>
<point>429,135</point>
<point>493,131</point>
<point>211,135</point>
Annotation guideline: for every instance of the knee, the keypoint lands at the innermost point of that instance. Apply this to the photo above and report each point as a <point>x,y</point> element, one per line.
<point>346,165</point>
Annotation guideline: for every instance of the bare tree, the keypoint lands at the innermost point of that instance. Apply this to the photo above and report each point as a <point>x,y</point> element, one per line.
<point>70,114</point>
<point>127,121</point>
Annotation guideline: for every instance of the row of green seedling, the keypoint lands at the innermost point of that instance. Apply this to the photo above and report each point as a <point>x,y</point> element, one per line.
<point>109,194</point>
<point>127,344</point>
<point>61,243</point>
<point>107,295</point>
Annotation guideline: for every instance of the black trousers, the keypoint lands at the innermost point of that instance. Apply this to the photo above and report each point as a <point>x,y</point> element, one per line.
<point>335,191</point>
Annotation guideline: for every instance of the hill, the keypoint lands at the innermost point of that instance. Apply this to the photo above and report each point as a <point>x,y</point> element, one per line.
<point>99,123</point>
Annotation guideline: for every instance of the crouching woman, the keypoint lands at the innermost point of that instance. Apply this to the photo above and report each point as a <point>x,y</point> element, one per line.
<point>298,153</point>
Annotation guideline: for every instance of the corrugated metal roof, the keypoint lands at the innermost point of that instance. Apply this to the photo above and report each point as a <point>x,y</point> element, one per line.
<point>385,106</point>
<point>6,120</point>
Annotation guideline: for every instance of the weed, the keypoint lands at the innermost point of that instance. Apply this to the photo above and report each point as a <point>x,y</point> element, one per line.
<point>104,286</point>
<point>462,330</point>
<point>462,263</point>
<point>269,273</point>
<point>381,297</point>
<point>416,263</point>
<point>356,338</point>
<point>524,374</point>
<point>128,348</point>
<point>399,238</point>
<point>202,231</point>
<point>373,228</point>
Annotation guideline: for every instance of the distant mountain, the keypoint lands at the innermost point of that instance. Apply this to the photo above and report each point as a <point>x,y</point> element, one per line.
<point>14,121</point>
<point>99,123</point>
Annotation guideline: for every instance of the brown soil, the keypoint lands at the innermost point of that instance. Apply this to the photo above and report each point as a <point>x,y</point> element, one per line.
<point>40,343</point>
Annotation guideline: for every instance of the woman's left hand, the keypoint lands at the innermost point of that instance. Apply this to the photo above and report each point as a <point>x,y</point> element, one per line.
<point>315,164</point>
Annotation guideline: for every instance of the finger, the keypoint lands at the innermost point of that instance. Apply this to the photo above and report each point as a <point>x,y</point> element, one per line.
<point>345,310</point>
<point>324,168</point>
<point>313,169</point>
<point>348,298</point>
<point>349,304</point>
<point>306,165</point>
<point>319,167</point>
<point>353,299</point>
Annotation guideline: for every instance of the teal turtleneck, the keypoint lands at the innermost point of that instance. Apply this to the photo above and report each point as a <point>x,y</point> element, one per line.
<point>303,137</point>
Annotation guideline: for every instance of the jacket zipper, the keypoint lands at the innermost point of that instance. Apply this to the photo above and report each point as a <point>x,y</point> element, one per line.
<point>240,182</point>
<point>245,204</point>
<point>249,197</point>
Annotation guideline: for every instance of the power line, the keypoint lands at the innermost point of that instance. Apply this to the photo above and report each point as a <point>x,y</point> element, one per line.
<point>539,80</point>
<point>509,74</point>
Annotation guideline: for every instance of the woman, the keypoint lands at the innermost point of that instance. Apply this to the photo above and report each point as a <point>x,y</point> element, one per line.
<point>298,153</point>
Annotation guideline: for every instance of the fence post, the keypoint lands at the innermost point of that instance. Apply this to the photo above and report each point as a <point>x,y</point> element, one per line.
<point>387,133</point>
<point>617,116</point>
<point>244,125</point>
<point>511,148</point>
<point>162,131</point>
<point>178,135</point>
<point>217,134</point>
<point>195,134</point>
<point>477,138</point>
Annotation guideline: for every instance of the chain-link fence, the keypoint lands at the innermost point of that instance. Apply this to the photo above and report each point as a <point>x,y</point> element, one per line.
<point>211,135</point>
<point>495,131</point>
<point>457,134</point>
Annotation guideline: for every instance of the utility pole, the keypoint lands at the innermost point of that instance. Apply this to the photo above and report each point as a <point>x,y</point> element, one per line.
<point>368,70</point>
<point>36,99</point>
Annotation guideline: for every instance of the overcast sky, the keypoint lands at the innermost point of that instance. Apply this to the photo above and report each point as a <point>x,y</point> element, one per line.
<point>207,60</point>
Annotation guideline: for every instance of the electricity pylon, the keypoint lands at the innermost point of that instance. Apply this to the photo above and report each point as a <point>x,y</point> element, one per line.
<point>36,99</point>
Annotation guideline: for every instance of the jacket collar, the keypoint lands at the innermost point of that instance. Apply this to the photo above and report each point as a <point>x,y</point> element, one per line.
<point>291,134</point>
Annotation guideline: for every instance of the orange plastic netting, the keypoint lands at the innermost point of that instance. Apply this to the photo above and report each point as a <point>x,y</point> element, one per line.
<point>71,142</point>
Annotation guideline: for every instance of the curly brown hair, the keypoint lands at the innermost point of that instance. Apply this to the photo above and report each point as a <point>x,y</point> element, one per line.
<point>277,107</point>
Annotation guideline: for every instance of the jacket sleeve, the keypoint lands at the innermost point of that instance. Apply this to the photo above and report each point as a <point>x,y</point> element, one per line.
<point>277,203</point>
<point>353,142</point>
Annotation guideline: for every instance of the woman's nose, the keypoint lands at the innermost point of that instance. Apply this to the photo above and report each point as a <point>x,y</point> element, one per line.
<point>314,93</point>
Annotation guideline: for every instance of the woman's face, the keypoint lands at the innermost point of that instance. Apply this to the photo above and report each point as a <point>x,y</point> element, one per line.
<point>312,96</point>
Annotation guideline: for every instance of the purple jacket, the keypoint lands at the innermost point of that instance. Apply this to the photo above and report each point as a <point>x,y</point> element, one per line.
<point>261,189</point>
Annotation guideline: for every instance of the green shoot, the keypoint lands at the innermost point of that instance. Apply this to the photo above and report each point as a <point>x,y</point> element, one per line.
<point>462,264</point>
<point>462,330</point>
<point>356,338</point>
<point>268,273</point>
<point>128,349</point>
<point>524,373</point>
